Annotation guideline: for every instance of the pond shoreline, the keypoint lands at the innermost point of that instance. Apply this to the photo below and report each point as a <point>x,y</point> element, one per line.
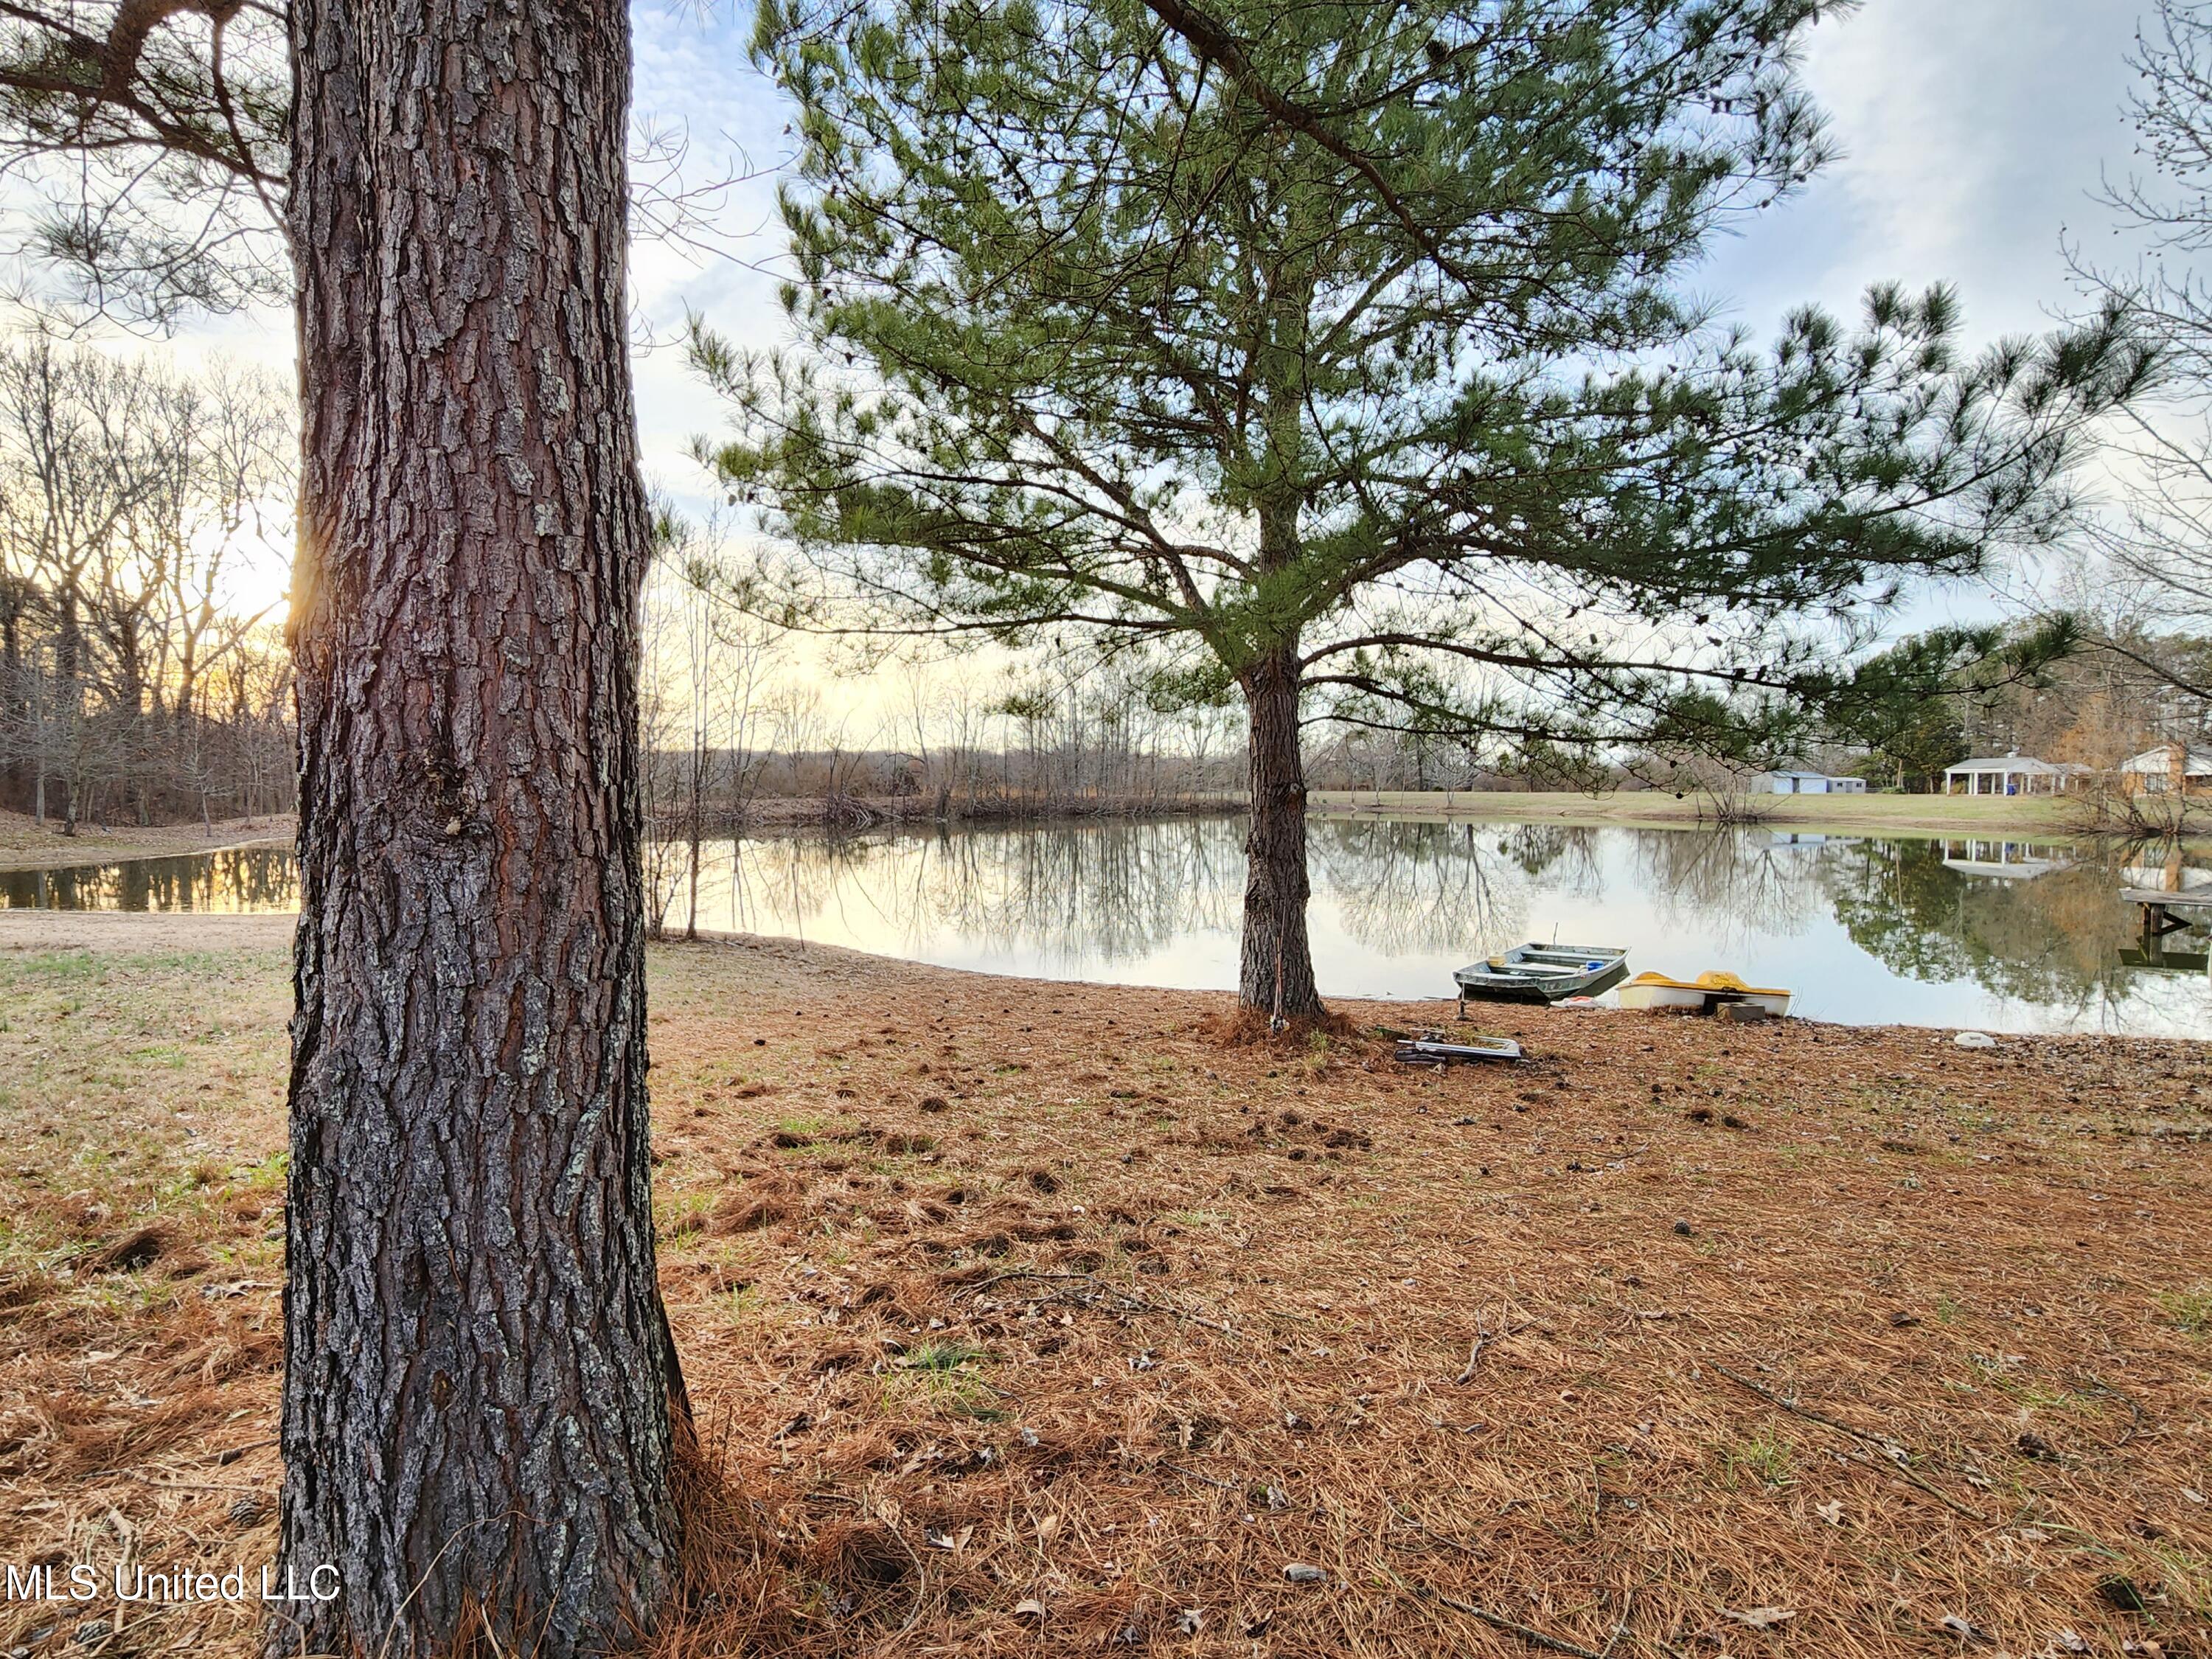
<point>1997,931</point>
<point>2041,816</point>
<point>169,933</point>
<point>27,845</point>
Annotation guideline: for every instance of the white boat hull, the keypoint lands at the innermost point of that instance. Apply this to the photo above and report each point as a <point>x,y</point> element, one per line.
<point>1646,997</point>
<point>1646,994</point>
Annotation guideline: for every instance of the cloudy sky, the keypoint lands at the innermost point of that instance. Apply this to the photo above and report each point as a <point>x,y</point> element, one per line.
<point>1975,134</point>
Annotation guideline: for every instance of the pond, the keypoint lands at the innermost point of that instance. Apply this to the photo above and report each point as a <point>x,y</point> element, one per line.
<point>239,881</point>
<point>2004,935</point>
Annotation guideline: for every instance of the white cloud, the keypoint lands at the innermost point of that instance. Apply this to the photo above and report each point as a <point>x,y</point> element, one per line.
<point>1974,134</point>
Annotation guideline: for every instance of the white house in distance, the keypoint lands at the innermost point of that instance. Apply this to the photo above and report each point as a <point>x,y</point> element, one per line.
<point>2014,773</point>
<point>2170,769</point>
<point>1806,783</point>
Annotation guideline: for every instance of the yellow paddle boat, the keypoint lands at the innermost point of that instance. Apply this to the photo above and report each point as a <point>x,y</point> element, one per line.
<point>1701,994</point>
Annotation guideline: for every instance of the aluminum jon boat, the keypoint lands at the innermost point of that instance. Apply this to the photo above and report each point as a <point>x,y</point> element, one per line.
<point>1702,995</point>
<point>1542,973</point>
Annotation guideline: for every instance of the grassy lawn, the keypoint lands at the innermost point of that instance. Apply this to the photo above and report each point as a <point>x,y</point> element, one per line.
<point>1029,1318</point>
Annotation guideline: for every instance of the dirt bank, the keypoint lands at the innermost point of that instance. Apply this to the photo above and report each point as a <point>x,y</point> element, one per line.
<point>1036,1320</point>
<point>26,844</point>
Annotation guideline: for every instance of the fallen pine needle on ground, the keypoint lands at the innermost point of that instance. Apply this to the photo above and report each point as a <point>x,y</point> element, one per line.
<point>1023,1317</point>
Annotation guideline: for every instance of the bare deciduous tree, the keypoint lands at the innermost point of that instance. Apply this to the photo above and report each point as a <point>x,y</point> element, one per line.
<point>2160,538</point>
<point>129,496</point>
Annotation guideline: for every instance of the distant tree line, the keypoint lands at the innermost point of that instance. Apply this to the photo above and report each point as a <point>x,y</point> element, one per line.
<point>133,686</point>
<point>1065,733</point>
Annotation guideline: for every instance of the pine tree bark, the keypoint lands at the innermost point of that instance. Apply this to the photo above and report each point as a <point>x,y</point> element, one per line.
<point>479,1385</point>
<point>1276,976</point>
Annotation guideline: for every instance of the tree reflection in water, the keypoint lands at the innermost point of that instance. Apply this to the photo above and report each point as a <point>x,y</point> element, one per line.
<point>1733,885</point>
<point>1117,892</point>
<point>2033,924</point>
<point>1088,891</point>
<point>1414,888</point>
<point>2028,924</point>
<point>243,880</point>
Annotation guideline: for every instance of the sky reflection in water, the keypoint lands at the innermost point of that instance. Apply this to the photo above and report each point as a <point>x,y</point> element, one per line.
<point>2005,936</point>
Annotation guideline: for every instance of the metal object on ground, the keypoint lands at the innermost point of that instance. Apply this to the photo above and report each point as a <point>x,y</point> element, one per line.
<point>1433,1049</point>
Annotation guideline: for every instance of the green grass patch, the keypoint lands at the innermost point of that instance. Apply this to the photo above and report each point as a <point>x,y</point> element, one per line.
<point>2189,1311</point>
<point>1766,1459</point>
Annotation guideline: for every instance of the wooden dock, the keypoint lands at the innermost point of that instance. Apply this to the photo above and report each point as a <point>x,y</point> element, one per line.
<point>2165,912</point>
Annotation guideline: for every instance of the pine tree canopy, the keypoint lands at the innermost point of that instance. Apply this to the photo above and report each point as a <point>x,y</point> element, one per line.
<point>1363,338</point>
<point>147,144</point>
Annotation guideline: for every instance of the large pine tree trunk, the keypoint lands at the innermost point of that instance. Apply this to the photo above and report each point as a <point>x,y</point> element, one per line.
<point>478,1393</point>
<point>1276,977</point>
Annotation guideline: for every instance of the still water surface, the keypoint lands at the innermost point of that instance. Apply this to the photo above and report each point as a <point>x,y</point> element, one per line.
<point>2004,935</point>
<point>243,881</point>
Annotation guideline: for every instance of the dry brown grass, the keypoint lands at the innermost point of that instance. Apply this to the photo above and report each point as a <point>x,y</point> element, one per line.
<point>1026,1318</point>
<point>141,1102</point>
